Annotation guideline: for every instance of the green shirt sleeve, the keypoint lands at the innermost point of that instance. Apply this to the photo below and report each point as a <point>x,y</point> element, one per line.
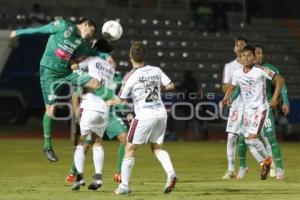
<point>284,95</point>
<point>283,92</point>
<point>235,93</point>
<point>46,29</point>
<point>53,27</point>
<point>105,93</point>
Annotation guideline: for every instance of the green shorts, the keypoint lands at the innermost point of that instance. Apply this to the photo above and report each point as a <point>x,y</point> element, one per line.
<point>115,126</point>
<point>51,82</point>
<point>269,126</point>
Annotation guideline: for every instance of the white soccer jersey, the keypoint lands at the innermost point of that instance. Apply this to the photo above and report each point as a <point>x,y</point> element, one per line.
<point>102,71</point>
<point>253,85</point>
<point>144,87</point>
<point>228,70</point>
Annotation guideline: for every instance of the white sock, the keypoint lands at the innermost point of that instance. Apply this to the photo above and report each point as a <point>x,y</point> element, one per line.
<point>257,149</point>
<point>126,169</point>
<point>231,149</point>
<point>267,145</point>
<point>165,161</point>
<point>79,157</point>
<point>98,157</point>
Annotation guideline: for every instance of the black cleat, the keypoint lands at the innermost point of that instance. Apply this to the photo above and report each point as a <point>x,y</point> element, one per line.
<point>97,183</point>
<point>79,182</point>
<point>50,154</point>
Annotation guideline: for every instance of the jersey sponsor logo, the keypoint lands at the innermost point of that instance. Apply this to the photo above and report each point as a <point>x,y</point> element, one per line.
<point>67,33</point>
<point>62,54</point>
<point>100,67</point>
<point>70,44</point>
<point>149,78</point>
<point>78,42</point>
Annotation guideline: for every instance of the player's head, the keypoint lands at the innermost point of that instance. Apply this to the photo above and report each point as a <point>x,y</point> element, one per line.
<point>87,28</point>
<point>248,56</point>
<point>137,52</point>
<point>239,43</point>
<point>103,46</point>
<point>259,54</point>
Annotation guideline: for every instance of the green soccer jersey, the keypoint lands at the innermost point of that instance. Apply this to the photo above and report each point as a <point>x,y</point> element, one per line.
<point>269,86</point>
<point>64,39</point>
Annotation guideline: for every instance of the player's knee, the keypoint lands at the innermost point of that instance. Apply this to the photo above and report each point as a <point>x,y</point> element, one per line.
<point>81,140</point>
<point>97,144</point>
<point>155,147</point>
<point>86,147</point>
<point>252,136</point>
<point>50,110</point>
<point>122,138</point>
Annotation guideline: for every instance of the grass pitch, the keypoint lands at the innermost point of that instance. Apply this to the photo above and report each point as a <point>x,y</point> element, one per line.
<point>25,174</point>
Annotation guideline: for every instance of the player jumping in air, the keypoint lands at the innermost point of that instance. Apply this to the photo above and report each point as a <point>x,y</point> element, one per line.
<point>65,39</point>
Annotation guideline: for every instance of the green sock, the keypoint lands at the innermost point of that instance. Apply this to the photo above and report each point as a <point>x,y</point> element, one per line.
<point>276,151</point>
<point>121,153</point>
<point>242,151</point>
<point>47,129</point>
<point>73,169</point>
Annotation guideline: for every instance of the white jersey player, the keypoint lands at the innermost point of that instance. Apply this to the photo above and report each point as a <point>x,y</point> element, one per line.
<point>93,119</point>
<point>251,80</point>
<point>149,125</point>
<point>235,112</point>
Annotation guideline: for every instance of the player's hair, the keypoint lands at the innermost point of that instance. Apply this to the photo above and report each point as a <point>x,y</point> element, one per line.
<point>103,46</point>
<point>249,48</point>
<point>259,46</point>
<point>138,52</point>
<point>240,38</point>
<point>89,21</point>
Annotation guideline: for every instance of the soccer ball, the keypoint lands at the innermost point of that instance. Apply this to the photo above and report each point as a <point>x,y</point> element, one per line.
<point>112,30</point>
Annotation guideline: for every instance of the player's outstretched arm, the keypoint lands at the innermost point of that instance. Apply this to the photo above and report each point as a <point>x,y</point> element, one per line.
<point>46,29</point>
<point>278,81</point>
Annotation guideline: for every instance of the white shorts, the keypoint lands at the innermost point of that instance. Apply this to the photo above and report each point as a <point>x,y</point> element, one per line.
<point>235,116</point>
<point>253,120</point>
<point>147,130</point>
<point>93,122</point>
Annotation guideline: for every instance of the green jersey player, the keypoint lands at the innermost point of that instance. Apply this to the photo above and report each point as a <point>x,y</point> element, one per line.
<point>65,39</point>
